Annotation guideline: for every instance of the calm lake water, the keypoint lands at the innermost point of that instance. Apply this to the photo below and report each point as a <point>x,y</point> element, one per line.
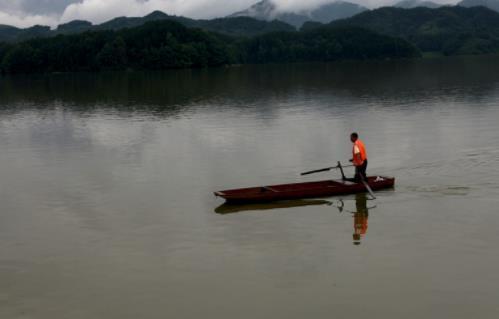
<point>107,207</point>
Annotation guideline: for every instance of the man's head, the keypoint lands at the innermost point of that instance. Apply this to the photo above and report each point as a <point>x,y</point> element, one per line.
<point>354,137</point>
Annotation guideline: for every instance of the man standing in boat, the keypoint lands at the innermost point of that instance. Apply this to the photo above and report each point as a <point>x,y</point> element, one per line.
<point>359,158</point>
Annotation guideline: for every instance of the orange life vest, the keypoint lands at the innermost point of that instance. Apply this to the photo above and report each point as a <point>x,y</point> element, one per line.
<point>359,153</point>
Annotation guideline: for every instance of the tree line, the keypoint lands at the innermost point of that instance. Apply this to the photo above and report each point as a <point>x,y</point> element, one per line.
<point>168,44</point>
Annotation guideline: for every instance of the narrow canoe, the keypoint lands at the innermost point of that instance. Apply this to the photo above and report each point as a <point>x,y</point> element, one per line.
<point>326,188</point>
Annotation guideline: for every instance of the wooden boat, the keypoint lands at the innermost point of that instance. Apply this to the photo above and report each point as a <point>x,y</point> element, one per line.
<point>325,188</point>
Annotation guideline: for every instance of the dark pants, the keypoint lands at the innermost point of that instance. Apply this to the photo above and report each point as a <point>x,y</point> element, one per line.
<point>361,171</point>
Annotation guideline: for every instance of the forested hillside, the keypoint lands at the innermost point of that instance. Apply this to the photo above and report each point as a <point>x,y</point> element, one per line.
<point>168,44</point>
<point>449,30</point>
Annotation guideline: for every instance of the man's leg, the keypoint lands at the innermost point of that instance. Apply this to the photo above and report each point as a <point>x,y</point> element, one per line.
<point>363,170</point>
<point>358,173</point>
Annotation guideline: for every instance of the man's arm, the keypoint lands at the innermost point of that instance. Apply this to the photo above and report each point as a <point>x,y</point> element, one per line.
<point>356,155</point>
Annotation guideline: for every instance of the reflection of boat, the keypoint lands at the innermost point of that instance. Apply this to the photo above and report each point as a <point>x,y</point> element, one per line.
<point>302,190</point>
<point>234,208</point>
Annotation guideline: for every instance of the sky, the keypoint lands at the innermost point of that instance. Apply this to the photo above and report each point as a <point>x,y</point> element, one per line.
<point>25,13</point>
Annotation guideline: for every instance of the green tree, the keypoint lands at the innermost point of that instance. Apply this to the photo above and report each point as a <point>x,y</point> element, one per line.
<point>22,58</point>
<point>113,54</point>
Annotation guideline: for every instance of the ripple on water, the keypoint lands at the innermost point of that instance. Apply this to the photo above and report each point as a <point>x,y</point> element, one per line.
<point>441,189</point>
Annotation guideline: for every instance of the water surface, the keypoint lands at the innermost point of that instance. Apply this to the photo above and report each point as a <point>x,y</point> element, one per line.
<point>107,211</point>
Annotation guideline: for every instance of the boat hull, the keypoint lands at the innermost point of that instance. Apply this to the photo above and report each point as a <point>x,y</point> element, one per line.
<point>325,188</point>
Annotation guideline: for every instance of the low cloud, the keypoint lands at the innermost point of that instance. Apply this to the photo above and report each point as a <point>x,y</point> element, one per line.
<point>24,13</point>
<point>299,5</point>
<point>99,11</point>
<point>25,21</point>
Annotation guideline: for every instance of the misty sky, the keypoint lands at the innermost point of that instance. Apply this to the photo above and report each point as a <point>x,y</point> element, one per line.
<point>24,13</point>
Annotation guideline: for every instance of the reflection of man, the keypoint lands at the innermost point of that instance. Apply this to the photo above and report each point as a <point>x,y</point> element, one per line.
<point>360,218</point>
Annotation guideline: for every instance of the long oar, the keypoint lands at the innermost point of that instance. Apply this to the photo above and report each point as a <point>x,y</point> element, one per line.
<point>324,169</point>
<point>367,186</point>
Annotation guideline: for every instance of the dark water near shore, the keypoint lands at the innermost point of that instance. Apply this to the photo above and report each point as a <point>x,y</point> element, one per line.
<point>107,211</point>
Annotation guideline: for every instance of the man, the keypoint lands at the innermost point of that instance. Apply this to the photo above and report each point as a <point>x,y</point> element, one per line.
<point>359,158</point>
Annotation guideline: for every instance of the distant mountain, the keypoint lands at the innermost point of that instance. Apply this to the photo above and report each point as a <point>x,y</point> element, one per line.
<point>410,4</point>
<point>237,26</point>
<point>34,32</point>
<point>131,22</point>
<point>264,10</point>
<point>10,34</point>
<point>449,30</point>
<point>242,26</point>
<point>310,25</point>
<point>75,26</point>
<point>491,4</point>
<point>335,11</point>
<point>267,10</point>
